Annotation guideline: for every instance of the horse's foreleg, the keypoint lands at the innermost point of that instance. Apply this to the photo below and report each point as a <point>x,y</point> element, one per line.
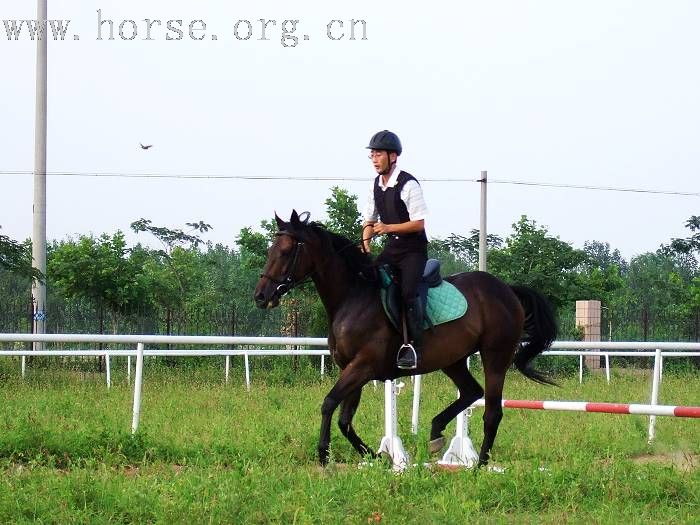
<point>349,407</point>
<point>353,377</point>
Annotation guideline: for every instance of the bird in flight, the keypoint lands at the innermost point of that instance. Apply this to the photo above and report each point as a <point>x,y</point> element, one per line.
<point>146,147</point>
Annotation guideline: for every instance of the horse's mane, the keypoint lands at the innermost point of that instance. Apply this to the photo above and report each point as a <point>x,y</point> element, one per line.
<point>360,263</point>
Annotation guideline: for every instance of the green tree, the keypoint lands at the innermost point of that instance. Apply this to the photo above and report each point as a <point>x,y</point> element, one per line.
<point>343,216</point>
<point>655,295</point>
<point>253,246</point>
<point>173,273</point>
<point>16,257</point>
<point>689,244</point>
<point>99,270</point>
<point>172,237</point>
<point>534,258</point>
<point>465,250</point>
<point>600,256</point>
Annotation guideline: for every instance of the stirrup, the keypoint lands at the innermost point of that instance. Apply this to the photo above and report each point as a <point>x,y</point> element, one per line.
<point>412,350</point>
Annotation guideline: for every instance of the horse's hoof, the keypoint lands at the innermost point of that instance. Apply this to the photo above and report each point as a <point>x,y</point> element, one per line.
<point>436,445</point>
<point>323,458</point>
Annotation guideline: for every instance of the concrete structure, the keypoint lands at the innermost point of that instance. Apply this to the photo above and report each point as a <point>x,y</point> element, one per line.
<point>588,318</point>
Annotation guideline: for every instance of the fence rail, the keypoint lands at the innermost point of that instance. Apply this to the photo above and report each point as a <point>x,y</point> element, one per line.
<point>561,348</point>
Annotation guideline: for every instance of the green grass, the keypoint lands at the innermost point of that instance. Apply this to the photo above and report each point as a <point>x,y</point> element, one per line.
<point>208,452</point>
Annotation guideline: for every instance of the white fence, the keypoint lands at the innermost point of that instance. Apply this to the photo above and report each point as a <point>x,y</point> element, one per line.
<point>560,348</point>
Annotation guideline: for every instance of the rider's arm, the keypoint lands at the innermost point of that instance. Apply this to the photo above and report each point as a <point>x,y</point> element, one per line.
<point>371,216</point>
<point>406,227</point>
<point>367,233</point>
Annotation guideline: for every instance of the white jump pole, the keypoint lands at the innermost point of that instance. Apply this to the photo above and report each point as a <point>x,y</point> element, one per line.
<point>607,367</point>
<point>391,444</point>
<point>461,451</point>
<point>580,368</point>
<point>227,366</point>
<point>247,371</point>
<point>24,366</point>
<point>137,388</point>
<point>323,365</point>
<point>416,403</point>
<point>128,369</point>
<point>656,379</point>
<point>108,369</point>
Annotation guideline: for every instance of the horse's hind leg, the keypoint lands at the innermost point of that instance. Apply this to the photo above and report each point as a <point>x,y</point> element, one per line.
<point>347,412</point>
<point>469,391</point>
<point>493,410</point>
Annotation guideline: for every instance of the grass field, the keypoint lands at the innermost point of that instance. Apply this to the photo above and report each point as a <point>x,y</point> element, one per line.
<point>208,452</point>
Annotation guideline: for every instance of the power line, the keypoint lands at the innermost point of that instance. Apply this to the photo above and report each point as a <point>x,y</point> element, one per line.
<point>189,176</point>
<point>183,176</point>
<point>599,188</point>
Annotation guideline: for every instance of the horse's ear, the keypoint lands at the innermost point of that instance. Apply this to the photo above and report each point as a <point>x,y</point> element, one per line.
<point>295,218</point>
<point>280,223</point>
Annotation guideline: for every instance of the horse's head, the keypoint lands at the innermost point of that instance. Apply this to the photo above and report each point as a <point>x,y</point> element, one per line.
<point>288,261</point>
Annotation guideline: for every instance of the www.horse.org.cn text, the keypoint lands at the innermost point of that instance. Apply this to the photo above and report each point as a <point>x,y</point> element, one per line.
<point>287,32</point>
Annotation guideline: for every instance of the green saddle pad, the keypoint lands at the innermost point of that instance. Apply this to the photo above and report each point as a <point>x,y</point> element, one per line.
<point>445,303</point>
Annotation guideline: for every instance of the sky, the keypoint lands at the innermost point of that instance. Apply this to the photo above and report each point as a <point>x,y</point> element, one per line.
<point>592,93</point>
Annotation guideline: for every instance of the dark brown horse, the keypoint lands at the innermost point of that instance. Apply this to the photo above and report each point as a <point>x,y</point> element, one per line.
<point>506,324</point>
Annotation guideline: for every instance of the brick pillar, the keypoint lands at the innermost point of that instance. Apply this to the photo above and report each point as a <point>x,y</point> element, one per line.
<point>588,318</point>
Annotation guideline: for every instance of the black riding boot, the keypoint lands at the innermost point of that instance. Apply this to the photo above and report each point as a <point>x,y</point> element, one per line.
<point>408,356</point>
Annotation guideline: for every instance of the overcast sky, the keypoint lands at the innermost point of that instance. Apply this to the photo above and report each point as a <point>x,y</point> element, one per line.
<point>601,93</point>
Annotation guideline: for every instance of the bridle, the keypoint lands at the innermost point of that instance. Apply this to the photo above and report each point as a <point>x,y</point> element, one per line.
<point>288,283</point>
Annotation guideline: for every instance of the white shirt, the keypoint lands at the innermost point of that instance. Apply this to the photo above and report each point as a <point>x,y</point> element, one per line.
<point>411,195</point>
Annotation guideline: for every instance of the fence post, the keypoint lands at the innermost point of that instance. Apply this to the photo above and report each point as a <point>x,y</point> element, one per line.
<point>323,364</point>
<point>128,369</point>
<point>24,366</point>
<point>656,379</point>
<point>580,368</point>
<point>247,371</point>
<point>227,365</point>
<point>137,388</point>
<point>108,370</point>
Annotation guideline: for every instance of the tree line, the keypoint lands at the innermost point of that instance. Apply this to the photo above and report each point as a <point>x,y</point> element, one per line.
<point>100,284</point>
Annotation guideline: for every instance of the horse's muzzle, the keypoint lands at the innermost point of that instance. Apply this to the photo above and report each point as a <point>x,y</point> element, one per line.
<point>261,301</point>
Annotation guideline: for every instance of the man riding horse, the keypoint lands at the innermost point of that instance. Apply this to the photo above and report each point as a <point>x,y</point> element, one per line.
<point>395,207</point>
<point>507,324</point>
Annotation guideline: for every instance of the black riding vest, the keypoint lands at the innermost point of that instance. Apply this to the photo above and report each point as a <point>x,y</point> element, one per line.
<point>392,210</point>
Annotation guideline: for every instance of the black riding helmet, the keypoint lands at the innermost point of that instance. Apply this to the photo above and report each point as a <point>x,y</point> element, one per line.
<point>387,141</point>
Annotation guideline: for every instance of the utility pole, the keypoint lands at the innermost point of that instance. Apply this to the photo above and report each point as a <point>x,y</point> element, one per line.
<point>482,224</point>
<point>39,209</point>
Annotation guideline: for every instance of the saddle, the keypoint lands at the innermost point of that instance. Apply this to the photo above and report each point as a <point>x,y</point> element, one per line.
<point>442,301</point>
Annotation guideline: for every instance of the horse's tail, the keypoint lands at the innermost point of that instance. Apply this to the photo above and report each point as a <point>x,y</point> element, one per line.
<point>539,332</point>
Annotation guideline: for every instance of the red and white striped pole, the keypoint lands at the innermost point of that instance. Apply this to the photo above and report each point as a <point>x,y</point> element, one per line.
<point>606,408</point>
